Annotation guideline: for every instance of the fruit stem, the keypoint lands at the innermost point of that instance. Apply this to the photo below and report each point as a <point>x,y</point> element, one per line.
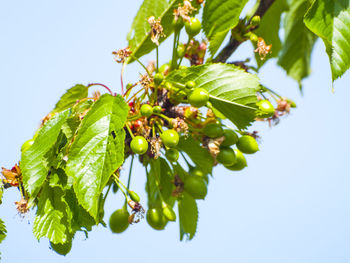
<point>129,130</point>
<point>183,156</point>
<point>129,89</point>
<point>164,117</point>
<point>272,92</point>
<point>121,79</point>
<point>157,53</point>
<point>130,170</point>
<point>102,85</point>
<point>135,117</point>
<point>133,96</point>
<point>145,68</point>
<point>186,47</point>
<point>117,181</point>
<point>174,57</point>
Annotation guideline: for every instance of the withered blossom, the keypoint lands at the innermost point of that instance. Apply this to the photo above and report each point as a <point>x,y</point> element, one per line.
<point>214,146</point>
<point>22,206</point>
<point>184,11</point>
<point>156,144</point>
<point>137,212</point>
<point>122,54</point>
<point>145,81</point>
<point>11,177</point>
<point>180,125</point>
<point>156,29</point>
<point>262,48</point>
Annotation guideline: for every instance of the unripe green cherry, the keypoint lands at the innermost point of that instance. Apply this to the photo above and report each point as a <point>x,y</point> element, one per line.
<point>168,212</point>
<point>26,145</point>
<point>231,138</point>
<point>198,97</point>
<point>255,21</point>
<point>241,162</point>
<point>226,156</point>
<point>158,78</point>
<point>247,144</point>
<point>190,84</point>
<point>253,38</point>
<point>178,24</point>
<point>266,109</point>
<point>196,171</point>
<point>193,27</point>
<point>181,50</point>
<point>172,154</point>
<point>164,68</point>
<point>146,110</point>
<point>156,219</point>
<point>134,196</point>
<point>119,220</point>
<point>213,130</point>
<point>196,187</point>
<point>157,109</point>
<point>170,138</point>
<point>139,145</point>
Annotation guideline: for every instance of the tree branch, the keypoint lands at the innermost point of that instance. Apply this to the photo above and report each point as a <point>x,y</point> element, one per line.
<point>233,43</point>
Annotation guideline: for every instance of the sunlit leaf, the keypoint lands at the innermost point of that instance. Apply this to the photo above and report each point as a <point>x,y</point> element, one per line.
<point>71,96</point>
<point>188,216</point>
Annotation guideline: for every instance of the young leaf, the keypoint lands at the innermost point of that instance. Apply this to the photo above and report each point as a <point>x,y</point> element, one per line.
<point>330,20</point>
<point>2,231</point>
<point>200,156</point>
<point>160,177</point>
<point>72,95</point>
<point>34,171</point>
<point>139,37</point>
<point>51,220</point>
<point>269,29</point>
<point>188,216</point>
<point>298,42</point>
<point>219,17</point>
<point>232,90</point>
<point>98,150</point>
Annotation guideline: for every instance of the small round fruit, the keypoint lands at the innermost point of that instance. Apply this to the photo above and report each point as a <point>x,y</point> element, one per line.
<point>134,196</point>
<point>253,38</point>
<point>196,187</point>
<point>168,212</point>
<point>158,79</point>
<point>170,138</point>
<point>157,109</point>
<point>139,145</point>
<point>119,220</point>
<point>255,21</point>
<point>27,145</point>
<point>266,109</point>
<point>178,24</point>
<point>226,156</point>
<point>164,69</point>
<point>146,110</point>
<point>62,249</point>
<point>195,171</point>
<point>156,218</point>
<point>193,27</point>
<point>181,50</point>
<point>213,130</point>
<point>172,154</point>
<point>231,138</point>
<point>247,144</point>
<point>198,97</point>
<point>190,84</point>
<point>241,162</point>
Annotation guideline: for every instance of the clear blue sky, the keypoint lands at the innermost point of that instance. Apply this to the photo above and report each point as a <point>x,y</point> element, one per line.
<point>290,205</point>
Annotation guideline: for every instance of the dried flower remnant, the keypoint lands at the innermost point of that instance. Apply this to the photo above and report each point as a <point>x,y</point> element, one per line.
<point>122,54</point>
<point>184,11</point>
<point>22,206</point>
<point>214,146</point>
<point>156,29</point>
<point>262,48</point>
<point>156,144</point>
<point>137,212</point>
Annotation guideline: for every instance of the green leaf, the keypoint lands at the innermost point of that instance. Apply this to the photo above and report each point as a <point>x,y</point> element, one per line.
<point>188,216</point>
<point>330,20</point>
<point>3,231</point>
<point>98,150</point>
<point>72,95</point>
<point>219,17</point>
<point>199,155</point>
<point>160,178</point>
<point>232,90</point>
<point>34,170</point>
<point>298,42</point>
<point>51,220</point>
<point>1,191</point>
<point>139,37</point>
<point>269,29</point>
